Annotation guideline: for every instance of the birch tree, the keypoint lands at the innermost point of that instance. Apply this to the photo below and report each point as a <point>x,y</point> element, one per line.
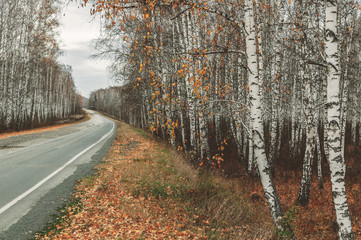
<point>35,88</point>
<point>336,159</point>
<point>256,118</point>
<point>239,83</point>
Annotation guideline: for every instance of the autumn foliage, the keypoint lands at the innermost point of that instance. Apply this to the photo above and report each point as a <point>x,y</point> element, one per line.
<point>185,68</point>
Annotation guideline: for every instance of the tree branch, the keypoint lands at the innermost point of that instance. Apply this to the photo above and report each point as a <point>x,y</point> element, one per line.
<point>178,14</point>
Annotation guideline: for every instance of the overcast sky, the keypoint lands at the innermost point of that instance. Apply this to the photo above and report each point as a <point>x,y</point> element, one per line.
<point>76,32</point>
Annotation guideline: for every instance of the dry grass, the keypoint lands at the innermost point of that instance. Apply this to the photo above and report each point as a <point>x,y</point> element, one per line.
<point>225,201</point>
<point>144,190</point>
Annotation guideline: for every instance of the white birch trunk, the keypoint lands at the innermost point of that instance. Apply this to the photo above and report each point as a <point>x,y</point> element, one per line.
<point>177,46</point>
<point>336,159</point>
<point>256,118</point>
<point>189,84</point>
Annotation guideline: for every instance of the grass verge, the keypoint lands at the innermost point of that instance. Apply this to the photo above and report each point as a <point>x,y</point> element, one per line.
<point>144,190</point>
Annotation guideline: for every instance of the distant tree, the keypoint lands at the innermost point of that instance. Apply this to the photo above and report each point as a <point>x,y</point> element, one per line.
<point>35,88</point>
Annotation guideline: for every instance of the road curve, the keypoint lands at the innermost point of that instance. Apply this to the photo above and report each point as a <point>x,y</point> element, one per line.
<point>37,177</point>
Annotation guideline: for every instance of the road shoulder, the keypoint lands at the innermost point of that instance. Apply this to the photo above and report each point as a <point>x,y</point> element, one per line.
<point>144,190</point>
<point>42,212</point>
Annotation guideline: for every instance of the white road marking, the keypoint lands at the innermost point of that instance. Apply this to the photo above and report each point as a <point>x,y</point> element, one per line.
<point>36,186</point>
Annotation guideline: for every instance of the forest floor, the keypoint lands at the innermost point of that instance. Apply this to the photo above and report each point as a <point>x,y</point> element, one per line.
<point>317,220</point>
<point>61,123</point>
<point>144,190</point>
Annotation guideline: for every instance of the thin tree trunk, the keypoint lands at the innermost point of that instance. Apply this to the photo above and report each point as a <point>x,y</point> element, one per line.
<point>336,159</point>
<point>257,121</point>
<point>303,195</point>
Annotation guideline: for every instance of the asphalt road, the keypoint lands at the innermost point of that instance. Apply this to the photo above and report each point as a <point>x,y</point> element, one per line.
<point>38,175</point>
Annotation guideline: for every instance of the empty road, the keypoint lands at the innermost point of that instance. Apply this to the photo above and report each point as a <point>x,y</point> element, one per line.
<point>38,172</point>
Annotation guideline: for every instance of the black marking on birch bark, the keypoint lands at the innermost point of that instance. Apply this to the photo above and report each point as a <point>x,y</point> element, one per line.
<point>336,139</point>
<point>330,36</point>
<point>334,125</point>
<point>321,64</point>
<point>339,193</point>
<point>259,135</point>
<point>339,159</point>
<point>339,173</point>
<point>335,194</point>
<point>335,55</point>
<point>333,66</point>
<point>339,180</point>
<point>267,170</point>
<point>346,235</point>
<point>330,104</point>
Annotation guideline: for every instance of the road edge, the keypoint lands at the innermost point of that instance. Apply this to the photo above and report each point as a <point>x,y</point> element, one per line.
<point>48,206</point>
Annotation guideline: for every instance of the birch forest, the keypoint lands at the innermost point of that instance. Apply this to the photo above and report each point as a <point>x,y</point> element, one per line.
<point>254,87</point>
<point>35,89</point>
